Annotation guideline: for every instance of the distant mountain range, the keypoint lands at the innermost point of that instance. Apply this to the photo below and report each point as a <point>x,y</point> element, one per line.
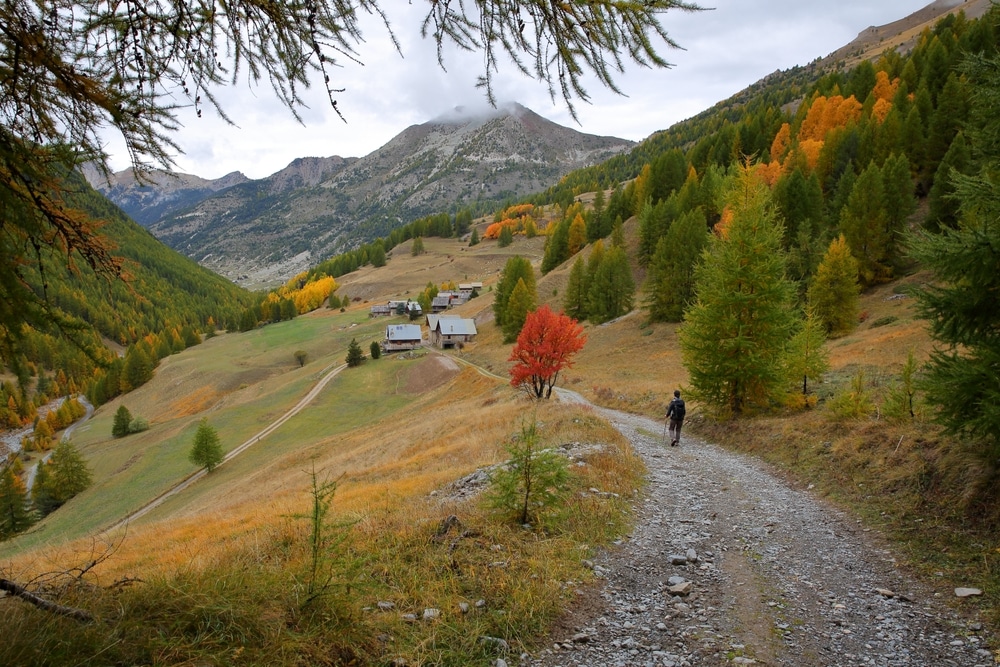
<point>260,232</point>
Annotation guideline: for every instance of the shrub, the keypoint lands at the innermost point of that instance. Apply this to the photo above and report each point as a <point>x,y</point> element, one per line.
<point>532,482</point>
<point>854,402</point>
<point>138,425</point>
<point>376,350</point>
<point>882,321</point>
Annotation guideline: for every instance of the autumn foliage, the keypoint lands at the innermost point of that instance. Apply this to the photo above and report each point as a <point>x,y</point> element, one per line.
<point>545,346</point>
<point>517,217</point>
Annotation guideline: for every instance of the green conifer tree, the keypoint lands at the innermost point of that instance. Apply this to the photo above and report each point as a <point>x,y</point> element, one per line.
<point>900,203</point>
<point>354,354</point>
<point>735,336</point>
<point>670,282</point>
<point>68,473</point>
<point>42,499</point>
<point>942,204</point>
<point>522,301</point>
<point>807,357</point>
<point>962,303</point>
<point>15,514</point>
<point>417,248</point>
<point>612,289</point>
<point>556,247</point>
<point>516,268</point>
<point>575,298</point>
<point>506,237</point>
<point>119,428</point>
<point>206,451</point>
<point>833,292</point>
<point>864,222</point>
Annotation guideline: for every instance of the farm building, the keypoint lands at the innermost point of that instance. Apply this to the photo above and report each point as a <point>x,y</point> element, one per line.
<point>450,331</point>
<point>395,307</point>
<point>399,337</point>
<point>431,319</point>
<point>467,289</point>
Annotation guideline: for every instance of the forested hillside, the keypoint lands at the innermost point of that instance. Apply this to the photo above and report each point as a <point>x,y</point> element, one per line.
<point>863,153</point>
<point>113,333</point>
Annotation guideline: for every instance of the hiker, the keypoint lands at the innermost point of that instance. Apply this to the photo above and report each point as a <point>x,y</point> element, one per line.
<point>675,413</point>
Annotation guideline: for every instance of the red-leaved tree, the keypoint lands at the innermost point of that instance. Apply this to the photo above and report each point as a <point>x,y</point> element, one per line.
<point>545,346</point>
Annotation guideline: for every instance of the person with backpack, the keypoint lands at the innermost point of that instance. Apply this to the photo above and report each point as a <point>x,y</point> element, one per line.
<point>675,413</point>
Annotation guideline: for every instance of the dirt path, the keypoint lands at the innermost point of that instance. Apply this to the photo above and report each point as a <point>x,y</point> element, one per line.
<point>764,574</point>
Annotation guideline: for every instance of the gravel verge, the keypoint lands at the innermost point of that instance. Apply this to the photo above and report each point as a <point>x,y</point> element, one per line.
<point>728,564</point>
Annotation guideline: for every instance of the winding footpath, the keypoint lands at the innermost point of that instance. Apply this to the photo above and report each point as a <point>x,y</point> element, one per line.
<point>729,565</point>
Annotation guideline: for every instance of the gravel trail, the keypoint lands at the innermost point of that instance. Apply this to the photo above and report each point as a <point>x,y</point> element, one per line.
<point>729,565</point>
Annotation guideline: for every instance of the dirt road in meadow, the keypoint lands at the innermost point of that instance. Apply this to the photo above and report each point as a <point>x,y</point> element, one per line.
<point>327,375</point>
<point>729,565</point>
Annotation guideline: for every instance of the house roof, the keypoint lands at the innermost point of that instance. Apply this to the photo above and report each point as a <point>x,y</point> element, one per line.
<point>456,327</point>
<point>403,332</point>
<point>432,319</point>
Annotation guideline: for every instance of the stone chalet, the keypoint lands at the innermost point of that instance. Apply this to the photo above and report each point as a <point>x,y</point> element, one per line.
<point>452,331</point>
<point>445,300</point>
<point>468,288</point>
<point>399,337</point>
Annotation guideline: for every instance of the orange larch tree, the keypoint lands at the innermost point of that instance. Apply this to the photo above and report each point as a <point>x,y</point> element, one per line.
<point>545,346</point>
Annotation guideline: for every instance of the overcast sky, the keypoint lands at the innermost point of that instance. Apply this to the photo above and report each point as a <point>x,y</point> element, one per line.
<point>725,50</point>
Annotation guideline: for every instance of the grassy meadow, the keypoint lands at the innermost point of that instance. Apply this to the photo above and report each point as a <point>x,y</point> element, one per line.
<point>225,572</point>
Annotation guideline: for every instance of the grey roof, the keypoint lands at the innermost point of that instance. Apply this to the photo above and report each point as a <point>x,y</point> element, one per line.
<point>395,332</point>
<point>456,327</point>
<point>432,319</point>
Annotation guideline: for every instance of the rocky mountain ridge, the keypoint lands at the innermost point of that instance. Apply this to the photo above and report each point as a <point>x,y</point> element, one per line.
<point>261,232</point>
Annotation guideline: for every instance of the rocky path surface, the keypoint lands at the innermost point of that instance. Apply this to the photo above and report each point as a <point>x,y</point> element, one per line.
<point>729,565</point>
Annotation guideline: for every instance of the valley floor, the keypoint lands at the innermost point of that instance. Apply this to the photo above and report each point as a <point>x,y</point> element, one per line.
<point>776,577</point>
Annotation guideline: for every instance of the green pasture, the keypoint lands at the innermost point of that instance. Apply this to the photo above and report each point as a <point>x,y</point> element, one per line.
<point>131,471</point>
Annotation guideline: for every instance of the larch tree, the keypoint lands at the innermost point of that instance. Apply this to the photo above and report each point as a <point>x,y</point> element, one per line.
<point>516,268</point>
<point>577,234</point>
<point>522,301</point>
<point>119,428</point>
<point>575,298</point>
<point>735,336</point>
<point>75,71</point>
<point>556,246</point>
<point>506,236</point>
<point>15,513</point>
<point>962,303</point>
<point>417,247</point>
<point>943,206</point>
<point>864,222</point>
<point>807,357</point>
<point>545,347</point>
<point>354,356</point>
<point>68,473</point>
<point>834,291</point>
<point>612,289</point>
<point>206,450</point>
<point>670,282</point>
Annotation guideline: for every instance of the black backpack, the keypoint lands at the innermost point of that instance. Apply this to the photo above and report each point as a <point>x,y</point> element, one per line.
<point>679,409</point>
